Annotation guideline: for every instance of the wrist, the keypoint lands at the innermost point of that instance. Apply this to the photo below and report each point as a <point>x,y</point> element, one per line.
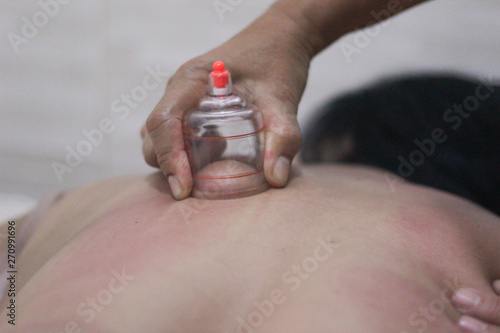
<point>279,29</point>
<point>294,28</point>
<point>309,20</point>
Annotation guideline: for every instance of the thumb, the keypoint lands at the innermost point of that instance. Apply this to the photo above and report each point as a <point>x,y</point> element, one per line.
<point>484,306</point>
<point>283,140</point>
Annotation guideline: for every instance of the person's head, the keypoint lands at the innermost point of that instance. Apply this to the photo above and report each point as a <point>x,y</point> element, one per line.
<point>392,123</point>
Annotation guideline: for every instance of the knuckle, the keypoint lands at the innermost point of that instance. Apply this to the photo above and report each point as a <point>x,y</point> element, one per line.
<point>171,80</point>
<point>159,118</point>
<point>295,142</point>
<point>149,154</point>
<point>195,69</point>
<point>292,136</point>
<point>168,160</point>
<point>165,163</point>
<point>288,144</point>
<point>150,159</point>
<point>288,131</point>
<point>155,120</point>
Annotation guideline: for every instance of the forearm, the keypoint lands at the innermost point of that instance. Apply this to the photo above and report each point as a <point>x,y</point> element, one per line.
<point>303,28</point>
<point>323,21</point>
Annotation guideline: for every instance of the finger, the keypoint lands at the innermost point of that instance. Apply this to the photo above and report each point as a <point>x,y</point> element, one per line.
<point>144,131</point>
<point>479,305</point>
<point>149,152</point>
<point>164,126</point>
<point>283,141</point>
<point>471,325</point>
<point>496,287</point>
<point>165,132</point>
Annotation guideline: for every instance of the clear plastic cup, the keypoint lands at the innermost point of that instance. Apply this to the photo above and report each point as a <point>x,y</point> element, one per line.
<point>224,138</point>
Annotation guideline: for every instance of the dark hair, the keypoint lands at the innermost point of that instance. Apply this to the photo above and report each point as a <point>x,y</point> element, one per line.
<point>392,123</point>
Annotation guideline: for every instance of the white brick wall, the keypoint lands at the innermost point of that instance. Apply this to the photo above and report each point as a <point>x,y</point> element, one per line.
<point>64,80</point>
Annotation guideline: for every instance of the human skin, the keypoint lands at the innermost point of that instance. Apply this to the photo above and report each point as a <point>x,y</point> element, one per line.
<point>269,61</point>
<point>336,251</point>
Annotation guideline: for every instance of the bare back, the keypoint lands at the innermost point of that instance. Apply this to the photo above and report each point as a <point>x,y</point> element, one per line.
<point>335,251</point>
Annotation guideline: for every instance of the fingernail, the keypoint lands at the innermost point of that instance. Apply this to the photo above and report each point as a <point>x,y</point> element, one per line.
<point>472,325</point>
<point>175,186</point>
<point>466,299</point>
<point>496,286</point>
<point>281,169</point>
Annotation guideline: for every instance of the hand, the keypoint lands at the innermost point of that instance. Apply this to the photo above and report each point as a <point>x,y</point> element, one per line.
<point>269,62</point>
<point>481,311</point>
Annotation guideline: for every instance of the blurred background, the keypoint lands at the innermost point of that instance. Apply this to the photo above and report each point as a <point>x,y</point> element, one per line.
<point>68,64</point>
